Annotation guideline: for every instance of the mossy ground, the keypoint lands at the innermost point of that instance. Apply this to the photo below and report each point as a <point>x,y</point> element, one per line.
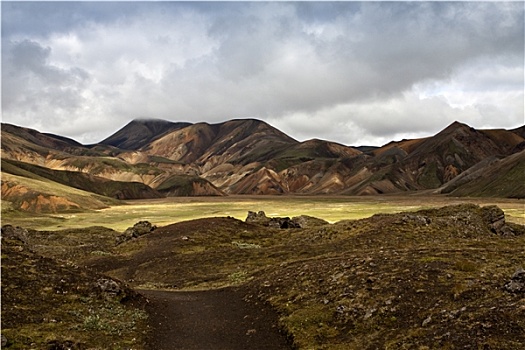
<point>392,284</point>
<point>51,304</point>
<point>432,279</point>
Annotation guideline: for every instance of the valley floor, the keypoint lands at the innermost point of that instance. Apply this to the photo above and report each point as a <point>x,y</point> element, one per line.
<point>176,209</point>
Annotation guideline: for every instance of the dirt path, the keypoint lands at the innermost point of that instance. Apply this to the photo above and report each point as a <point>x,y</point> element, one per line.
<point>211,320</point>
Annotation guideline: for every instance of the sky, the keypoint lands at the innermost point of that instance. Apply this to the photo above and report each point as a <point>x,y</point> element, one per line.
<point>350,72</point>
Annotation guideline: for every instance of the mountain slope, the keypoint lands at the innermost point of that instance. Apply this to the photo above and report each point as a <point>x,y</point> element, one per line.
<point>187,186</point>
<point>185,145</point>
<point>31,146</point>
<point>46,196</point>
<point>310,150</point>
<point>519,131</point>
<point>248,156</point>
<point>245,141</point>
<point>236,141</point>
<point>83,181</point>
<point>44,140</point>
<point>491,178</point>
<point>429,163</point>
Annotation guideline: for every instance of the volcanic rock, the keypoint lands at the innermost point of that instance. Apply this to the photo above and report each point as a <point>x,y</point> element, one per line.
<point>15,232</point>
<point>139,229</point>
<point>494,217</point>
<point>260,218</point>
<point>106,285</point>
<point>517,282</point>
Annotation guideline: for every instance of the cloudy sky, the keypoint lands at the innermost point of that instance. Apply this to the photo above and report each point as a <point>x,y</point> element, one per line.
<point>355,73</point>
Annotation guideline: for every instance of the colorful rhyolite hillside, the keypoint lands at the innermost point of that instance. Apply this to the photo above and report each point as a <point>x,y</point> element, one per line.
<point>157,158</point>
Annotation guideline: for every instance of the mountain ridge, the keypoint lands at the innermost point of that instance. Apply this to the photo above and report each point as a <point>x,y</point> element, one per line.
<point>249,156</point>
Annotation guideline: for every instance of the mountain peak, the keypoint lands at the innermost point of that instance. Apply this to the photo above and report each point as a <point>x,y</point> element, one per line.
<point>140,132</point>
<point>456,126</point>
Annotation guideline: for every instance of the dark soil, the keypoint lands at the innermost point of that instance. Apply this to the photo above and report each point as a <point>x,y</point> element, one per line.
<point>212,319</point>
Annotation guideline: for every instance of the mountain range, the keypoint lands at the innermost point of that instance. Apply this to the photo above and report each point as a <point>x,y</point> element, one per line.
<point>157,158</point>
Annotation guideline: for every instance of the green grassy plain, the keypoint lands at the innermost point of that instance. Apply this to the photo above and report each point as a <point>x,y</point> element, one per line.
<point>170,210</point>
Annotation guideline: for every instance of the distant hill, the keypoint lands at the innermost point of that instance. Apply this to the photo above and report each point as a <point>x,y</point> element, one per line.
<point>82,181</point>
<point>149,158</point>
<point>28,193</point>
<point>431,162</point>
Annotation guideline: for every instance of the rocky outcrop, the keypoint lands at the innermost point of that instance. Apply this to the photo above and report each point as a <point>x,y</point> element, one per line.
<point>305,221</point>
<point>15,232</point>
<point>516,283</point>
<point>257,217</point>
<point>476,221</point>
<point>494,217</point>
<point>139,229</point>
<point>260,218</point>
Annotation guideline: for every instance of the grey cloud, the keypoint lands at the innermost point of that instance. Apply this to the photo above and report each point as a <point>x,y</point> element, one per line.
<point>33,88</point>
<point>383,50</point>
<point>406,42</point>
<point>337,70</point>
<point>325,12</point>
<point>42,18</point>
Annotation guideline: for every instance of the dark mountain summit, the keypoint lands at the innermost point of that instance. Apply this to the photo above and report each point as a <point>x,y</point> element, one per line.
<point>140,132</point>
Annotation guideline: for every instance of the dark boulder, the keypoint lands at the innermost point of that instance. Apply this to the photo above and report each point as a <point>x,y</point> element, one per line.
<point>286,223</point>
<point>257,217</point>
<point>260,218</point>
<point>516,283</point>
<point>15,232</point>
<point>139,229</point>
<point>106,285</point>
<point>494,218</point>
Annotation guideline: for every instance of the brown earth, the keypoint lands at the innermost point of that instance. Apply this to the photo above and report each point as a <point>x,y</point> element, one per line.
<point>213,319</point>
